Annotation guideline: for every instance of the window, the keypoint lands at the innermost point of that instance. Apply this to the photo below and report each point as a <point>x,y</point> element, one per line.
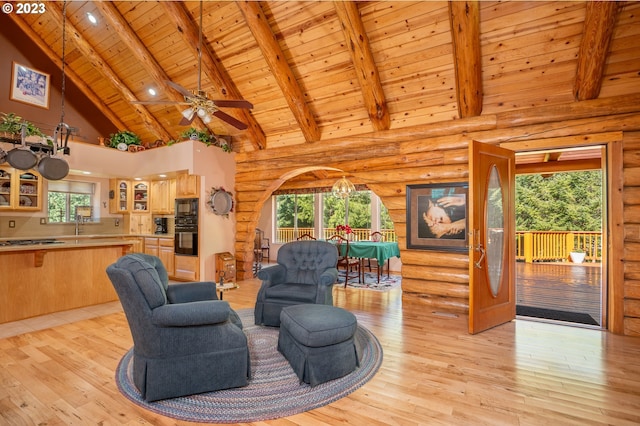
<point>318,214</point>
<point>65,196</point>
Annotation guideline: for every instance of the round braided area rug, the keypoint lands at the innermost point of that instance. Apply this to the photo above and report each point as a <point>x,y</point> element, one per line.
<point>274,390</point>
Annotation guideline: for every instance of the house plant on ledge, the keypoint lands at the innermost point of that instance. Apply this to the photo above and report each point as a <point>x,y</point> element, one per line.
<point>206,138</point>
<point>577,255</point>
<point>123,139</point>
<point>11,127</point>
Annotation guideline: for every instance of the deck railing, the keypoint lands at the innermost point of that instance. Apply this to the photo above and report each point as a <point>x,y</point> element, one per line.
<point>555,246</point>
<point>284,235</point>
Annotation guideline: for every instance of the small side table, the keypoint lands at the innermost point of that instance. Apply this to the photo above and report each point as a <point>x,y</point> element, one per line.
<point>226,287</point>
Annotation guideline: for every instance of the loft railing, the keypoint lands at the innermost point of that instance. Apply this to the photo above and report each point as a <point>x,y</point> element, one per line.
<point>555,246</point>
<point>284,235</point>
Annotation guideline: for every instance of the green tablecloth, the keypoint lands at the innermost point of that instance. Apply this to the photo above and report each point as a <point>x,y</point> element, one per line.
<point>381,250</point>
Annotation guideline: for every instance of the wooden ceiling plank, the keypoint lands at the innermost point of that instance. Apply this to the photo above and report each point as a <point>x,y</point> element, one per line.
<point>142,54</point>
<point>599,24</point>
<point>182,20</point>
<point>465,34</point>
<point>365,66</point>
<point>84,88</point>
<point>100,65</point>
<point>273,54</point>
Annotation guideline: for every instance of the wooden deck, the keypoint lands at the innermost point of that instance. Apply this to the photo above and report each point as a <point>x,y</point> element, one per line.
<point>561,286</point>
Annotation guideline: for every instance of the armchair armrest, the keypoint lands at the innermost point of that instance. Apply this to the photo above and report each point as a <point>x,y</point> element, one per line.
<point>329,276</point>
<point>189,314</point>
<point>273,274</point>
<point>191,292</point>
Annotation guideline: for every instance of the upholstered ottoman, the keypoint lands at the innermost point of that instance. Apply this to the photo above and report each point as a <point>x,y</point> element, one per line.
<point>318,342</point>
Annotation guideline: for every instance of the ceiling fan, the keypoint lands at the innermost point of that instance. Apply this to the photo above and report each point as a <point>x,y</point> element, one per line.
<point>197,101</point>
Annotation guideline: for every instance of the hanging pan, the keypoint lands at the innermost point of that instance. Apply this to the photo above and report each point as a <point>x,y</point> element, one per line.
<point>52,167</point>
<point>22,157</point>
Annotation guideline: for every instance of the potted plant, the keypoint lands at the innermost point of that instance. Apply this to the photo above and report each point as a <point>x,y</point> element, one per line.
<point>577,255</point>
<point>122,139</point>
<point>11,126</point>
<point>206,138</point>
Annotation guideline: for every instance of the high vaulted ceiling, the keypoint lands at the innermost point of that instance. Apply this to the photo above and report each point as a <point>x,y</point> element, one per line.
<point>318,70</point>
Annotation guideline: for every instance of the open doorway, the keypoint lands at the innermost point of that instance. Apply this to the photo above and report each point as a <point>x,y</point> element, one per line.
<point>560,205</point>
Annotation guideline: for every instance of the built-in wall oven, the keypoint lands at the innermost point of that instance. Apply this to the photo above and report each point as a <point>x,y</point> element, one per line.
<point>186,226</point>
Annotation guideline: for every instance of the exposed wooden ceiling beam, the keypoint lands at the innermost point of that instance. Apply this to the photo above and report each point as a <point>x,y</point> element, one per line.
<point>212,68</point>
<point>598,29</point>
<point>464,17</point>
<point>560,166</point>
<point>141,53</point>
<point>55,12</point>
<point>69,73</point>
<point>259,26</point>
<point>364,64</point>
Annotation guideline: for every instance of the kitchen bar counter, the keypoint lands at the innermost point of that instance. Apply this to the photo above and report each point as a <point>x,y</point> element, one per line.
<point>39,279</point>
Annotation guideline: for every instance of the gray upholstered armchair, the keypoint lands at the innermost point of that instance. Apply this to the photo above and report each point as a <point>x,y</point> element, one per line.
<point>185,341</point>
<point>305,273</point>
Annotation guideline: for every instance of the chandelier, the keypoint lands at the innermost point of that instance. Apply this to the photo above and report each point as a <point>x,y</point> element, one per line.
<point>342,188</point>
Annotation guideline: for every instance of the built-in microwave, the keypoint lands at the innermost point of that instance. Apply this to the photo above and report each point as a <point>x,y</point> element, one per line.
<point>186,207</point>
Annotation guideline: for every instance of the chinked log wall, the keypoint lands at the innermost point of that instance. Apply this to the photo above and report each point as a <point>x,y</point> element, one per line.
<point>387,161</point>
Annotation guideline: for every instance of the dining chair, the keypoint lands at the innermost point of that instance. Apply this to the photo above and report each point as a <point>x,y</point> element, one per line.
<point>349,263</point>
<point>376,236</point>
<point>306,236</point>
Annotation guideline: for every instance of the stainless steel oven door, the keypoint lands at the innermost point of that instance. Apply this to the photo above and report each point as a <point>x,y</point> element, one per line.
<point>186,243</point>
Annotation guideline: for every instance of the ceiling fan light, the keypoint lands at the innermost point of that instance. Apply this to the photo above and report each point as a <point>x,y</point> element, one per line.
<point>206,119</point>
<point>188,113</point>
<point>201,112</point>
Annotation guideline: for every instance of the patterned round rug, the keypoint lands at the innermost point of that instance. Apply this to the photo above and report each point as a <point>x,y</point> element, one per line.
<point>274,391</point>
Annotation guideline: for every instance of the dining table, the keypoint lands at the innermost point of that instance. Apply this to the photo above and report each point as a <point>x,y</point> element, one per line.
<point>382,251</point>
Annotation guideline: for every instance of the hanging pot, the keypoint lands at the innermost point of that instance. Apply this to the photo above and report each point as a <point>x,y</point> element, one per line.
<point>52,167</point>
<point>22,157</point>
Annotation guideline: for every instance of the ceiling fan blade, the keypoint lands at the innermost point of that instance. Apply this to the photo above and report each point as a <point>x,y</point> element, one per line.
<point>232,103</point>
<point>186,121</point>
<point>159,103</point>
<point>231,120</point>
<point>182,90</point>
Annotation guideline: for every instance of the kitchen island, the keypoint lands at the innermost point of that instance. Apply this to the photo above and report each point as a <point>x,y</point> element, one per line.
<point>39,277</point>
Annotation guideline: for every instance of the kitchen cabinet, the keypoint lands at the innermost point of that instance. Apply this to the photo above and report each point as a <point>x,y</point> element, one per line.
<point>20,190</point>
<point>187,268</point>
<point>166,255</point>
<point>140,223</point>
<point>119,196</point>
<point>187,186</point>
<point>141,197</point>
<point>162,248</point>
<point>163,194</point>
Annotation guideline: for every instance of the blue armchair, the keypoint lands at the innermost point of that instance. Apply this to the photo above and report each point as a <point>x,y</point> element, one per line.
<point>185,341</point>
<point>305,273</point>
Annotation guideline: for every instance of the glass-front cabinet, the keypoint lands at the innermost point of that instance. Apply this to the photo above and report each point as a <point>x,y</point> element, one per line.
<point>20,189</point>
<point>141,197</point>
<point>119,196</point>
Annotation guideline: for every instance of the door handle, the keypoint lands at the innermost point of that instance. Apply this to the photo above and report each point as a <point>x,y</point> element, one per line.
<point>477,246</point>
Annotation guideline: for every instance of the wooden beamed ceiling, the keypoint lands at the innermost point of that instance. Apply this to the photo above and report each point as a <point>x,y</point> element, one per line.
<point>317,70</point>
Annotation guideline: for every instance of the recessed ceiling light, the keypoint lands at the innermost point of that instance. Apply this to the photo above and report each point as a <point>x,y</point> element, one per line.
<point>152,91</point>
<point>137,178</point>
<point>86,173</point>
<point>92,18</point>
<point>162,176</point>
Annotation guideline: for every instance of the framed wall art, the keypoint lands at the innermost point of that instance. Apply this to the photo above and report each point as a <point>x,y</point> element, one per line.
<point>437,216</point>
<point>30,86</point>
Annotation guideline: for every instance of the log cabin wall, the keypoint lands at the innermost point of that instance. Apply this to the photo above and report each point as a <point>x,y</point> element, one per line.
<point>388,161</point>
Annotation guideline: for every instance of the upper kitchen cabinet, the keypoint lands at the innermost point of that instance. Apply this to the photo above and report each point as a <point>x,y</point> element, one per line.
<point>187,186</point>
<point>119,196</point>
<point>20,190</point>
<point>141,197</point>
<point>163,194</point>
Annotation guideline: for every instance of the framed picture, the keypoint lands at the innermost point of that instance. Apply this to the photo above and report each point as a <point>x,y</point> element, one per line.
<point>437,216</point>
<point>30,86</point>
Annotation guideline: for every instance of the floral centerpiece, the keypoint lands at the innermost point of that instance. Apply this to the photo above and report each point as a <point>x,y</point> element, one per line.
<point>344,229</point>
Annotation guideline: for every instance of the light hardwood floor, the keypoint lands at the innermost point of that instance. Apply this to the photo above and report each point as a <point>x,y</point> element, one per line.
<point>433,373</point>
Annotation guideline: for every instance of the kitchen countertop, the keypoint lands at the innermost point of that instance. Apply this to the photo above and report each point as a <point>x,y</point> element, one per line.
<point>64,243</point>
